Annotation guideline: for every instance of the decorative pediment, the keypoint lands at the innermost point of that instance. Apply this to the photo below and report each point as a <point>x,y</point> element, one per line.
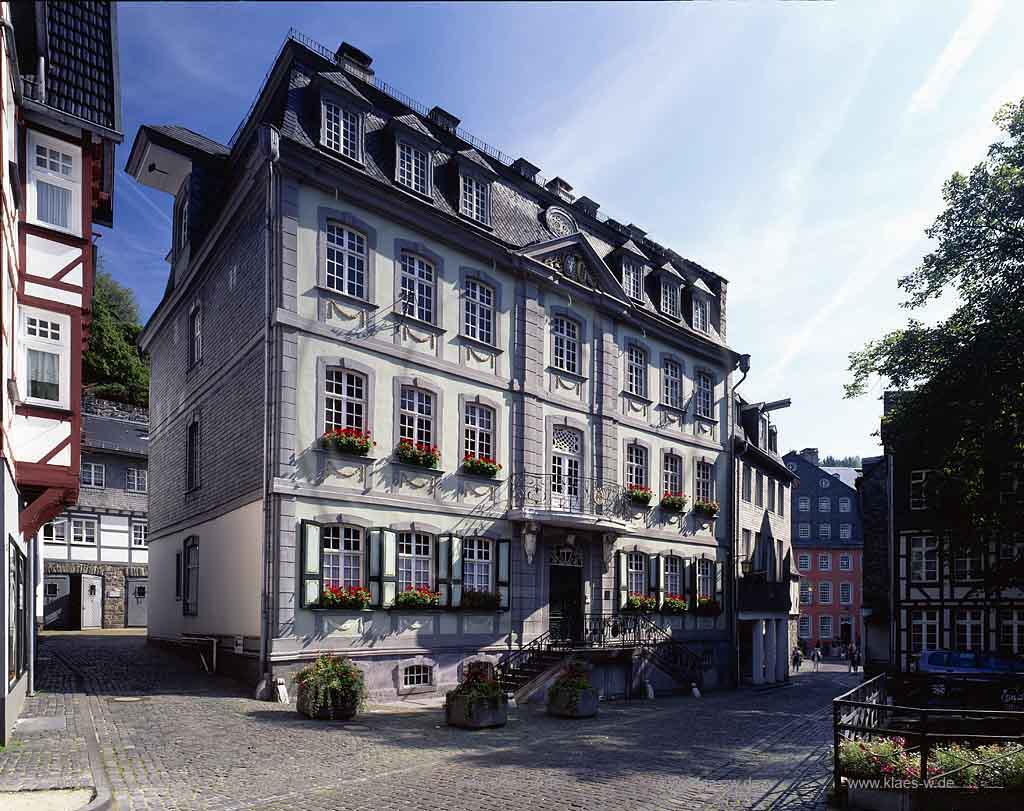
<point>574,258</point>
<point>566,556</point>
<point>571,264</point>
<point>560,222</point>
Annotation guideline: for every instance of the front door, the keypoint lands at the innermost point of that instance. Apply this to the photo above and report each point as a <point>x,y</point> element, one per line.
<point>566,602</point>
<point>57,601</point>
<point>92,601</point>
<point>135,602</point>
<point>845,630</point>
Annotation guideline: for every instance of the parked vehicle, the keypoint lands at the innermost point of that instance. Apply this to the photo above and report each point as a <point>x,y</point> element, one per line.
<point>968,663</point>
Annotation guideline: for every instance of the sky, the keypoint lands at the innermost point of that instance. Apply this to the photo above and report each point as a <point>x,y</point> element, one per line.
<point>796,148</point>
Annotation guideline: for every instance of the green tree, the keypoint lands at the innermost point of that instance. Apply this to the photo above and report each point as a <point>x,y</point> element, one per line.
<point>112,366</point>
<point>840,461</point>
<point>960,381</point>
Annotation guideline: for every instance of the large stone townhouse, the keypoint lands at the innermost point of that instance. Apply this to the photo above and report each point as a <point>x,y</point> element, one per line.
<point>355,264</point>
<point>61,119</point>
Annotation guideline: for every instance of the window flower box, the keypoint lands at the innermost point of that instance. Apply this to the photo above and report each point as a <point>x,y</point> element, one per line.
<point>480,465</point>
<point>707,607</point>
<point>354,597</point>
<point>414,597</point>
<point>417,453</point>
<point>479,702</point>
<point>480,600</point>
<point>641,602</point>
<point>332,688</point>
<point>572,695</point>
<point>673,502</point>
<point>639,494</point>
<point>709,509</point>
<point>348,440</point>
<point>675,604</point>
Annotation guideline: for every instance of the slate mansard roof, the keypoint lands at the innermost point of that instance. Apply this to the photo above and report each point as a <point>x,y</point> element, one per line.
<point>115,435</point>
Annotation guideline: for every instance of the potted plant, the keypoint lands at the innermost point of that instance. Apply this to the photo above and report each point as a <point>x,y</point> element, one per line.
<point>481,600</point>
<point>675,604</point>
<point>479,702</point>
<point>417,597</point>
<point>673,502</point>
<point>480,465</point>
<point>417,453</point>
<point>641,602</point>
<point>332,688</point>
<point>348,440</point>
<point>572,695</point>
<point>354,597</point>
<point>709,509</point>
<point>639,494</point>
<point>707,607</point>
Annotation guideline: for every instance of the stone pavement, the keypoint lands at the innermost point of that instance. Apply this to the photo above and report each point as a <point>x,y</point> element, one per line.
<point>174,738</point>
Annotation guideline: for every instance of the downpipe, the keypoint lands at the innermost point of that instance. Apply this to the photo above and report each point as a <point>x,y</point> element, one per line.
<point>744,366</point>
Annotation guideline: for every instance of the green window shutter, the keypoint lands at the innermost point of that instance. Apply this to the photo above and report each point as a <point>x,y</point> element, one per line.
<point>456,567</point>
<point>444,567</point>
<point>374,541</point>
<point>389,567</point>
<point>691,580</point>
<point>504,572</point>
<point>656,564</point>
<point>623,578</point>
<point>312,583</point>
<point>720,583</point>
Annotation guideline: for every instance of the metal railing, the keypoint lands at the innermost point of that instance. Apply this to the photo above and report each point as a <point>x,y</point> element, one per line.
<point>566,494</point>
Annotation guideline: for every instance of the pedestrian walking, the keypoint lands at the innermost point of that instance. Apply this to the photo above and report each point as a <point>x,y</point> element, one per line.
<point>816,658</point>
<point>856,659</point>
<point>850,659</point>
<point>797,660</point>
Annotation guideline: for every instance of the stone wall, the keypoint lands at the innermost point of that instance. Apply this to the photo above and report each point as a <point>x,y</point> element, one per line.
<point>113,580</point>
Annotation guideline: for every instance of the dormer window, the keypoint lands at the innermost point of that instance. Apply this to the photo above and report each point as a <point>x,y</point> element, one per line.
<point>412,168</point>
<point>670,298</point>
<point>342,130</point>
<point>701,314</point>
<point>474,200</point>
<point>632,281</point>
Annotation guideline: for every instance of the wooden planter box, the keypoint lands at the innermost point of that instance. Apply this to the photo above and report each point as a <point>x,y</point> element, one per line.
<point>560,703</point>
<point>341,707</point>
<point>480,713</point>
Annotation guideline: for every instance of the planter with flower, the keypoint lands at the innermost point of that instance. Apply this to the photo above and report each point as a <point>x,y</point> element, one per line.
<point>675,604</point>
<point>673,502</point>
<point>640,602</point>
<point>479,702</point>
<point>417,597</point>
<point>480,600</point>
<point>417,453</point>
<point>707,607</point>
<point>332,688</point>
<point>351,597</point>
<point>639,494</point>
<point>480,465</point>
<point>572,695</point>
<point>707,509</point>
<point>348,440</point>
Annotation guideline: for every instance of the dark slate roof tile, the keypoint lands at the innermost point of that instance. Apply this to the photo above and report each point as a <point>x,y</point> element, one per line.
<point>105,433</point>
<point>413,122</point>
<point>341,80</point>
<point>192,139</point>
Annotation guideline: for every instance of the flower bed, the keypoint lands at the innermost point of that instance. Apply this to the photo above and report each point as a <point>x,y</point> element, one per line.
<point>638,494</point>
<point>675,604</point>
<point>641,602</point>
<point>707,607</point>
<point>707,508</point>
<point>414,597</point>
<point>332,688</point>
<point>417,453</point>
<point>673,502</point>
<point>571,695</point>
<point>344,597</point>
<point>480,465</point>
<point>481,600</point>
<point>348,440</point>
<point>479,701</point>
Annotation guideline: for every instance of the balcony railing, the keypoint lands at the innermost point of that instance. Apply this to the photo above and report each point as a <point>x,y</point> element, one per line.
<point>575,495</point>
<point>760,595</point>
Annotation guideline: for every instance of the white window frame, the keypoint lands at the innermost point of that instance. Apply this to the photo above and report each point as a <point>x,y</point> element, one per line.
<point>343,548</point>
<point>701,313</point>
<point>418,286</point>
<point>670,298</point>
<point>80,531</point>
<point>804,626</point>
<point>845,532</point>
<point>70,183</point>
<point>46,344</point>
<point>342,129</point>
<point>55,531</point>
<point>968,567</point>
<point>417,676</point>
<point>825,621</point>
<point>672,473</point>
<point>803,562</point>
<point>195,334</point>
<point>803,504</point>
<point>805,592</point>
<point>704,480</point>
<point>134,477</point>
<point>478,311</point>
<point>672,383</point>
<point>345,260</point>
<point>637,465</point>
<point>565,353</point>
<point>924,630</point>
<point>674,576</point>
<point>636,370</point>
<point>477,564</point>
<point>140,534</point>
<point>844,504</point>
<point>478,430</point>
<point>924,550</point>
<point>824,504</point>
<point>705,578</point>
<point>345,403</point>
<point>636,573</point>
<point>411,562</point>
<point>704,395</point>
<point>846,593</point>
<point>825,592</point>
<point>824,562</point>
<point>88,477</point>
<point>633,280</point>
<point>824,530</point>
<point>413,170</point>
<point>474,198</point>
<point>417,415</point>
<point>1010,623</point>
<point>803,530</point>
<point>845,563</point>
<point>969,629</point>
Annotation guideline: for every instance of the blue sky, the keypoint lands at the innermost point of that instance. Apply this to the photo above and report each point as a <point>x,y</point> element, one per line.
<point>796,148</point>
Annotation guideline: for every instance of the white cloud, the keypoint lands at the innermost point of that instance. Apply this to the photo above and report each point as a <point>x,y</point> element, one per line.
<point>958,50</point>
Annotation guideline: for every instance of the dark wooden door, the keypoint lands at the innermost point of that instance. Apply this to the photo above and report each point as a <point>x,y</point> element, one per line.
<point>566,602</point>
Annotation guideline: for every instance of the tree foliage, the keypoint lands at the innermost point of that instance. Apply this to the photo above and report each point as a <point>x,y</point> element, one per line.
<point>840,461</point>
<point>112,366</point>
<point>961,380</point>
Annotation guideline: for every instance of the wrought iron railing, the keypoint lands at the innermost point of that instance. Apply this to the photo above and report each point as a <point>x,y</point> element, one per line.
<point>517,660</point>
<point>568,494</point>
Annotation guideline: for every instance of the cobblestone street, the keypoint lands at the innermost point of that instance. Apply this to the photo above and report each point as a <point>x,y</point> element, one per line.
<point>174,738</point>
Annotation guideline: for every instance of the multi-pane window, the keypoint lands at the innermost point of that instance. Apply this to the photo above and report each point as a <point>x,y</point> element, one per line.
<point>673,473</point>
<point>845,593</point>
<point>674,575</point>
<point>845,531</point>
<point>190,603</point>
<point>566,354</point>
<point>636,466</point>
<point>969,629</point>
<point>672,384</point>
<point>566,462</point>
<point>748,475</point>
<point>759,489</point>
<point>824,504</point>
<point>704,396</point>
<point>42,328</point>
<point>415,560</point>
<point>476,564</point>
<point>918,497</point>
<point>844,504</point>
<point>670,298</point>
<point>824,530</point>
<point>343,556</point>
<point>704,484</point>
<point>140,534</point>
<point>417,676</point>
<point>416,416</point>
<point>195,335</point>
<point>825,593</point>
<point>1011,630</point>
<point>636,573</point>
<point>924,630</point>
<point>55,531</point>
<point>46,358</point>
<point>344,400</point>
<point>54,179</point>
<point>83,531</point>
<point>412,168</point>
<point>417,284</point>
<point>700,314</point>
<point>782,499</point>
<point>825,627</point>
<point>345,256</point>
<point>479,431</point>
<point>803,530</point>
<point>632,280</point>
<point>636,371</point>
<point>824,562</point>
<point>478,311</point>
<point>924,560</point>
<point>805,593</point>
<point>474,199</point>
<point>803,562</point>
<point>341,130</point>
<point>845,563</point>
<point>967,565</point>
<point>771,495</point>
<point>803,504</point>
<point>705,578</point>
<point>92,474</point>
<point>136,479</point>
<point>192,456</point>
<point>804,627</point>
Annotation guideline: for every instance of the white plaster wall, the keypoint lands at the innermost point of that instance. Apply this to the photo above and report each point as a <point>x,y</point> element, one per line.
<point>34,437</point>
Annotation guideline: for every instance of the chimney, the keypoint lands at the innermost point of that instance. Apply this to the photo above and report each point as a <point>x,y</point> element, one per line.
<point>526,169</point>
<point>810,454</point>
<point>561,188</point>
<point>636,232</point>
<point>350,58</point>
<point>587,206</point>
<point>444,119</point>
